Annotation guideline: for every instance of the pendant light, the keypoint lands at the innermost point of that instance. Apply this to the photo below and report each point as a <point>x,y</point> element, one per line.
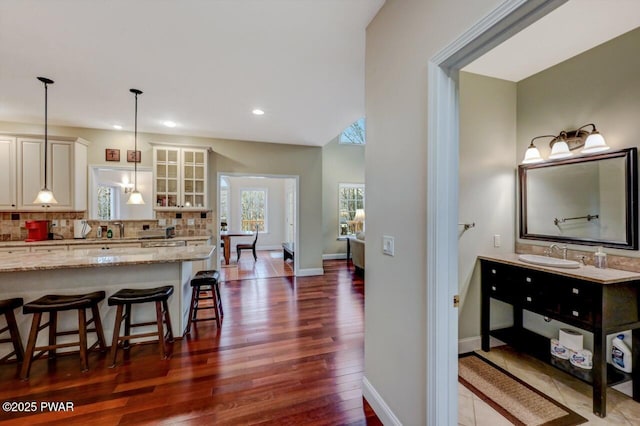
<point>135,197</point>
<point>45,196</point>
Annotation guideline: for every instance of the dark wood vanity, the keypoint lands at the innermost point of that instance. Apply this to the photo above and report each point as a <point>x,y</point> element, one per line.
<point>600,301</point>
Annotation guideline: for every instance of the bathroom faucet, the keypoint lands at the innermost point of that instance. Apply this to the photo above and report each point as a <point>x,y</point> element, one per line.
<point>562,248</point>
<point>121,226</point>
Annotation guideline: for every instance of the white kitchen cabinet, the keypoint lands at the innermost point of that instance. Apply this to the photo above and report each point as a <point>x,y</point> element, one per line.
<point>8,190</point>
<point>66,173</point>
<point>47,249</point>
<point>180,178</point>
<point>11,250</point>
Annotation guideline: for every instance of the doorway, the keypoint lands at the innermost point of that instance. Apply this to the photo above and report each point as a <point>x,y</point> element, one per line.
<point>268,203</point>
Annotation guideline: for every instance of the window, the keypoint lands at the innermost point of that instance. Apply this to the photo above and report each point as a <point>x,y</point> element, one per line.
<point>254,209</point>
<point>350,199</point>
<point>224,205</point>
<point>354,134</point>
<point>105,202</point>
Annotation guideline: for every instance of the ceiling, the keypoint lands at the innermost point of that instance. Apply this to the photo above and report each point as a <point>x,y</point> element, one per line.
<point>200,63</point>
<point>571,29</point>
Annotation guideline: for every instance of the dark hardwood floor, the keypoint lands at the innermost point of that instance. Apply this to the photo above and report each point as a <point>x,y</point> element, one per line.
<point>290,352</point>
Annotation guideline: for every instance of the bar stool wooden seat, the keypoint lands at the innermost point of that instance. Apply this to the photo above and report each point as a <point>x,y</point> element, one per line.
<point>7,307</point>
<point>123,299</point>
<point>203,283</point>
<point>52,304</point>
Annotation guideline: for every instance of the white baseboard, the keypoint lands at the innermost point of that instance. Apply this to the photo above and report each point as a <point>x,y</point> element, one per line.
<point>334,256</point>
<point>472,344</point>
<point>378,404</point>
<point>309,272</point>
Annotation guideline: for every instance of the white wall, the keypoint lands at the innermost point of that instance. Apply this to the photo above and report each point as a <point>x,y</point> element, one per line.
<point>400,40</point>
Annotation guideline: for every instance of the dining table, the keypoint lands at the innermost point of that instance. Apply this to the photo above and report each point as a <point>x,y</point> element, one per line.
<point>225,236</point>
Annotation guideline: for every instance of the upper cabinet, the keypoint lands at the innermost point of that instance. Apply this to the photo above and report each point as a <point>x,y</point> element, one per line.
<point>8,191</point>
<point>180,178</point>
<point>22,173</point>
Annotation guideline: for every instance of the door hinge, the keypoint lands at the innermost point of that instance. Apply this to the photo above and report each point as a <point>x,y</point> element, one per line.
<point>456,301</point>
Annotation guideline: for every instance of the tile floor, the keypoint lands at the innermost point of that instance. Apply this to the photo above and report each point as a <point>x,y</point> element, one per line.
<point>270,264</point>
<point>621,409</point>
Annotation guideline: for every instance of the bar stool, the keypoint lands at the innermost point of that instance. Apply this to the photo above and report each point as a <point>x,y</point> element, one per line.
<point>52,304</point>
<point>205,282</point>
<point>124,299</point>
<point>6,308</point>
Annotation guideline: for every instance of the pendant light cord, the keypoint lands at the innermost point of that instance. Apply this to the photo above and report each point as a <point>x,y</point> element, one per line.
<point>46,131</point>
<point>135,148</point>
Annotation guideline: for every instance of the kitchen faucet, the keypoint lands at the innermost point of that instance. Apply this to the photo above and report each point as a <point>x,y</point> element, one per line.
<point>121,226</point>
<point>555,246</point>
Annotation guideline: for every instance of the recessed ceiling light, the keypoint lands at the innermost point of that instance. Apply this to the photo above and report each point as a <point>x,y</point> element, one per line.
<point>117,127</point>
<point>258,111</point>
<point>170,124</point>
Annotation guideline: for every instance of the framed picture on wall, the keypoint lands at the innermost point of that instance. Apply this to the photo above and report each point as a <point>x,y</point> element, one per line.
<point>112,154</point>
<point>134,157</point>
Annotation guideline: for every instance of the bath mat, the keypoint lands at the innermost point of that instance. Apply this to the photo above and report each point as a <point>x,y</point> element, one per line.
<point>518,402</point>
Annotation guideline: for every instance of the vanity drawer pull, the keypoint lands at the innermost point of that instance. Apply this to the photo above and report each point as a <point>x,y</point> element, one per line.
<point>575,291</point>
<point>493,288</point>
<point>493,271</point>
<point>575,313</point>
<point>528,279</point>
<point>528,298</point>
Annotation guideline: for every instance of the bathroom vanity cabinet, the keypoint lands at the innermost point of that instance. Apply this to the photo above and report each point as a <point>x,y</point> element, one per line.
<point>599,301</point>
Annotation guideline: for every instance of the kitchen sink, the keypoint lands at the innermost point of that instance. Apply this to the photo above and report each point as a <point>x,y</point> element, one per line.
<point>549,261</point>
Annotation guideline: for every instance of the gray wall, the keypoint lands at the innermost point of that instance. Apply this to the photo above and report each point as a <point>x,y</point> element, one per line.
<point>228,156</point>
<point>487,187</point>
<point>400,41</point>
<point>600,86</point>
<point>341,163</point>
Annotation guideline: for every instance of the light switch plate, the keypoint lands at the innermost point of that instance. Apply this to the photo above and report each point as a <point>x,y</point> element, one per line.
<point>497,240</point>
<point>54,222</point>
<point>388,245</point>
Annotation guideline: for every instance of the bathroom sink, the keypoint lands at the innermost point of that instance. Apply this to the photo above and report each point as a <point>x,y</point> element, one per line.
<point>549,261</point>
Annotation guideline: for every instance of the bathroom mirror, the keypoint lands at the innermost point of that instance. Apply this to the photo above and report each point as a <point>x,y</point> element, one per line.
<point>109,189</point>
<point>583,200</point>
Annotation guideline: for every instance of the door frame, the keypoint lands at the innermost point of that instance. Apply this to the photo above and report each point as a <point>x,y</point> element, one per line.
<point>500,24</point>
<point>296,234</point>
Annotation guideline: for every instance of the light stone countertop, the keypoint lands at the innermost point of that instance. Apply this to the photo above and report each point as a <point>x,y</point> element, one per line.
<point>589,272</point>
<point>17,262</point>
<point>80,241</point>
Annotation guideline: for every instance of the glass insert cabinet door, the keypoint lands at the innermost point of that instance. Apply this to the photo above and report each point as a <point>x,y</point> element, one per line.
<point>180,178</point>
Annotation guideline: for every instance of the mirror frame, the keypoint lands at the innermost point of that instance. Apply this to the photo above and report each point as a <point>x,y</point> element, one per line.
<point>630,156</point>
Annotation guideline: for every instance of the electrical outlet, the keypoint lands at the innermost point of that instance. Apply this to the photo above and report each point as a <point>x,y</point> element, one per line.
<point>191,222</point>
<point>497,240</point>
<point>63,222</point>
<point>174,221</point>
<point>54,222</point>
<point>388,245</point>
<point>162,222</point>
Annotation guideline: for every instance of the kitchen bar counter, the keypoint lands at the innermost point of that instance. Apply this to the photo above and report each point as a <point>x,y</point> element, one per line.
<point>15,262</point>
<point>81,241</point>
<point>33,275</point>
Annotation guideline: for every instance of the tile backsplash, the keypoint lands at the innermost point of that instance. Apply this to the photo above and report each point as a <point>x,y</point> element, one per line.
<point>187,224</point>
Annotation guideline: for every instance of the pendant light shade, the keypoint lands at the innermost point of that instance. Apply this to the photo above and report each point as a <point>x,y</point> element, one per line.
<point>135,197</point>
<point>45,196</point>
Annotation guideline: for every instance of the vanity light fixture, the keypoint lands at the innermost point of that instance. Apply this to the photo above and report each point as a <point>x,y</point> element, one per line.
<point>567,141</point>
<point>135,197</point>
<point>595,141</point>
<point>533,155</point>
<point>560,148</point>
<point>45,196</point>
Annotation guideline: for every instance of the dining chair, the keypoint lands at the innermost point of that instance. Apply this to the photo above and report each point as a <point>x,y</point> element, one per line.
<point>252,247</point>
